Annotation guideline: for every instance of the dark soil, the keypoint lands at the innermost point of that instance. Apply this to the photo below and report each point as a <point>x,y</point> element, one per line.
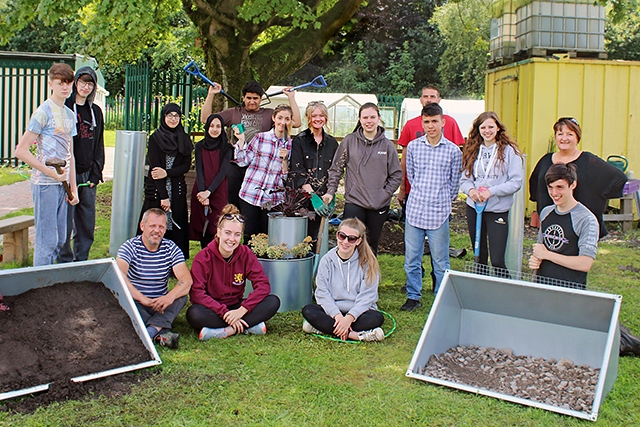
<point>392,238</point>
<point>58,332</point>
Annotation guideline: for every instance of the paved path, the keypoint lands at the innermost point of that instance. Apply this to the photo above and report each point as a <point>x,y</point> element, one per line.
<point>18,196</point>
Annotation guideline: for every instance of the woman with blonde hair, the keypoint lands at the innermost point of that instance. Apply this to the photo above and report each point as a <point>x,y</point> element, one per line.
<point>347,289</point>
<point>491,175</point>
<point>312,152</point>
<point>220,272</point>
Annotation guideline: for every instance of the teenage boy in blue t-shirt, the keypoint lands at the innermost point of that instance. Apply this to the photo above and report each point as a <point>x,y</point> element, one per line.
<point>52,128</point>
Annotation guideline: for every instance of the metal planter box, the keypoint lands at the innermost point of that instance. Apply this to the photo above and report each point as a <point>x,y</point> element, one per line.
<point>531,319</point>
<point>106,271</point>
<point>291,280</point>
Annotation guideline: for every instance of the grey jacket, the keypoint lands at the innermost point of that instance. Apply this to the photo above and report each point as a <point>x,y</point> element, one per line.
<point>503,180</point>
<point>341,286</point>
<point>373,171</point>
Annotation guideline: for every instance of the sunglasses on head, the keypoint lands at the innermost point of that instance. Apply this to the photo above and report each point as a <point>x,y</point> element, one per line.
<point>571,119</point>
<point>233,217</point>
<point>314,103</point>
<point>350,238</point>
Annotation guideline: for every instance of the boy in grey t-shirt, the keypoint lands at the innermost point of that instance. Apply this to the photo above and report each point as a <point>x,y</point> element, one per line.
<point>568,236</point>
<point>52,128</point>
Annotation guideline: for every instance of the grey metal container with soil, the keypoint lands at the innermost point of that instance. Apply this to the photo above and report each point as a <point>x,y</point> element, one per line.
<point>292,278</point>
<point>530,319</point>
<point>106,271</point>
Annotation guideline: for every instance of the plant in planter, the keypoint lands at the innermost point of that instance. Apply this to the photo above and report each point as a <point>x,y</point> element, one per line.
<point>259,244</point>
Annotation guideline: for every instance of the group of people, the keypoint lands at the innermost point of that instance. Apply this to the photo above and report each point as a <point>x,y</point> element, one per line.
<point>68,132</point>
<point>238,178</point>
<point>346,295</point>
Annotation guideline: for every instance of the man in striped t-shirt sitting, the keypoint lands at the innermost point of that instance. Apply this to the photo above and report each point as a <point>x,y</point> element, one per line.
<point>146,261</point>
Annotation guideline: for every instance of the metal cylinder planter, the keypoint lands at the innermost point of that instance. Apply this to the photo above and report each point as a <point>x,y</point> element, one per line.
<point>290,230</point>
<point>291,280</point>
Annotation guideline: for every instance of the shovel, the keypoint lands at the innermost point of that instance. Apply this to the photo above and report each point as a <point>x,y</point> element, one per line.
<point>192,68</point>
<point>206,220</point>
<point>476,245</point>
<point>318,245</point>
<point>317,82</point>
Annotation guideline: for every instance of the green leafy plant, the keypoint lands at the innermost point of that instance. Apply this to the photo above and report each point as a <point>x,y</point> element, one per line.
<point>259,244</point>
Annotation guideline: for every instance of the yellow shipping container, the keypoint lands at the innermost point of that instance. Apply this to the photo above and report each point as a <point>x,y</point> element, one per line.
<point>604,96</point>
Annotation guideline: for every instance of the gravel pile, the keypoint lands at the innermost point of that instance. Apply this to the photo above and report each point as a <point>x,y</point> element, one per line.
<point>559,383</point>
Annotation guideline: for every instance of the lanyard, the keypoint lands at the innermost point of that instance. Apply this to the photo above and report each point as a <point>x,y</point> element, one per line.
<point>480,163</point>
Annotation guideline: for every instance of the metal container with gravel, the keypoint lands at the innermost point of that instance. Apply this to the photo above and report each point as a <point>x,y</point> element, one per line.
<point>552,326</point>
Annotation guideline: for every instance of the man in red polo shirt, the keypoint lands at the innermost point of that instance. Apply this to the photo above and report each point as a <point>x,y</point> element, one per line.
<point>413,129</point>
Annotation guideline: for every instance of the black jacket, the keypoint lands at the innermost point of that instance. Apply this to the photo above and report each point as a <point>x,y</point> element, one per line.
<point>310,162</point>
<point>88,152</point>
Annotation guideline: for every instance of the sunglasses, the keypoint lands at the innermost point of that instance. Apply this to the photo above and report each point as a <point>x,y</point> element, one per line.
<point>350,238</point>
<point>314,103</point>
<point>233,217</point>
<point>571,119</point>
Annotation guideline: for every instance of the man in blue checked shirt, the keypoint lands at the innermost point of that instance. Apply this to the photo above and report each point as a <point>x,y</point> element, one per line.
<point>433,167</point>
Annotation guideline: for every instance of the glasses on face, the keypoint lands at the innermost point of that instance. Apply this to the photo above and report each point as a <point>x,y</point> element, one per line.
<point>571,119</point>
<point>350,238</point>
<point>173,116</point>
<point>89,85</point>
<point>233,217</point>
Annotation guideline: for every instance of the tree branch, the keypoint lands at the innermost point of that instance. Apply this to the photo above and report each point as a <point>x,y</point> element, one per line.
<point>300,45</point>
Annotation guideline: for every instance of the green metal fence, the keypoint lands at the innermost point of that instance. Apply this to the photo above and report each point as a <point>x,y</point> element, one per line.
<point>23,87</point>
<point>148,90</point>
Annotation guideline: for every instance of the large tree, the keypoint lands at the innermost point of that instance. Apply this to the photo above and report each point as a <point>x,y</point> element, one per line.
<point>241,39</point>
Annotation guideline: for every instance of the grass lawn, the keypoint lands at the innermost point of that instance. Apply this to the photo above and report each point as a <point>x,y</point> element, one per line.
<point>288,378</point>
<point>109,138</point>
<point>9,175</point>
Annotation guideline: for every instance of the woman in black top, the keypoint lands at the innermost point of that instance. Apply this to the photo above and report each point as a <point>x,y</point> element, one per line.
<point>312,151</point>
<point>169,158</point>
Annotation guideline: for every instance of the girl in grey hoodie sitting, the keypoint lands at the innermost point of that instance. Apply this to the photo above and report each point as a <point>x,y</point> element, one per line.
<point>347,289</point>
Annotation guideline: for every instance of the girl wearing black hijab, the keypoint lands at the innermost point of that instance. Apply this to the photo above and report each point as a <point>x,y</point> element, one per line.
<point>209,194</point>
<point>169,158</point>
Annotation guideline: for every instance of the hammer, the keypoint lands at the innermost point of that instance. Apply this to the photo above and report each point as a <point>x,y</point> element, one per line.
<point>59,164</point>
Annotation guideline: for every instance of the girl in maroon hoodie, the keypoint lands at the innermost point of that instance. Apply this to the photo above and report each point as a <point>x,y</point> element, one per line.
<point>220,272</point>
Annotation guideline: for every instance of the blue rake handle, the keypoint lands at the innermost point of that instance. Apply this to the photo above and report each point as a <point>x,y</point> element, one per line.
<point>317,82</point>
<point>476,245</point>
<point>192,68</point>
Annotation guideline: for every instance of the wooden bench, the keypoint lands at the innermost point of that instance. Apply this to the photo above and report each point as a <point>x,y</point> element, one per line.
<point>15,233</point>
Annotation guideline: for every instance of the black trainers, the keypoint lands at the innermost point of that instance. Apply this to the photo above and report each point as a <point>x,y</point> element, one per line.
<point>167,339</point>
<point>403,288</point>
<point>411,305</point>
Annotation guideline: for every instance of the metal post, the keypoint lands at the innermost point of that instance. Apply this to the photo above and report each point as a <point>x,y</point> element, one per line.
<point>128,186</point>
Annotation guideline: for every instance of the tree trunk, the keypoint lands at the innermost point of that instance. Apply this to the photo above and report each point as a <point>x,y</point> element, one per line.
<point>227,41</point>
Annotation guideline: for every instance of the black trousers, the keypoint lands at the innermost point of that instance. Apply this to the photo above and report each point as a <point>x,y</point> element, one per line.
<point>373,219</point>
<point>495,228</point>
<point>200,316</point>
<point>255,220</point>
<point>234,183</point>
<point>320,320</point>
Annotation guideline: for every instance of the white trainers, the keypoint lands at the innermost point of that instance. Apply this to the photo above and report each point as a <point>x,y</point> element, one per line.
<point>208,333</point>
<point>376,334</point>
<point>259,329</point>
<point>308,328</point>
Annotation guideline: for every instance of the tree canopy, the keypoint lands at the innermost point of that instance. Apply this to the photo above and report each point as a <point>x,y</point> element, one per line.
<point>242,40</point>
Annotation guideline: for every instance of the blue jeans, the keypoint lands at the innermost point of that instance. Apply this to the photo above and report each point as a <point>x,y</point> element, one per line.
<point>414,250</point>
<point>81,223</point>
<point>50,214</point>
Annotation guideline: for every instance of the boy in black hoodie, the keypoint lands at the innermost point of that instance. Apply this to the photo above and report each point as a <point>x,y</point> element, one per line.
<point>88,149</point>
